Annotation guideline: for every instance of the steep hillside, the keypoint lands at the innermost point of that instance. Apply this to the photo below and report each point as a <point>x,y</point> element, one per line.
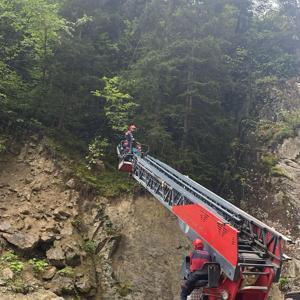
<point>45,242</point>
<point>151,250</point>
<point>286,203</point>
<point>273,183</point>
<point>60,239</point>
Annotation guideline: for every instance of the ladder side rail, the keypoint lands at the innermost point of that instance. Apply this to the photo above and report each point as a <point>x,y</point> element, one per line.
<point>188,181</point>
<point>159,188</point>
<point>189,196</point>
<point>172,195</point>
<point>227,215</point>
<point>247,227</point>
<point>141,169</point>
<point>217,198</point>
<point>267,241</point>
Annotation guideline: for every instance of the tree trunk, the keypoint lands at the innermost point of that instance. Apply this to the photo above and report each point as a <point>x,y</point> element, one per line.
<point>189,96</point>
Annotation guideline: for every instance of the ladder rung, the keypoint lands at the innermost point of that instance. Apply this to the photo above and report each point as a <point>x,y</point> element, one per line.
<point>251,251</point>
<point>249,260</point>
<point>254,287</point>
<point>255,265</point>
<point>255,273</point>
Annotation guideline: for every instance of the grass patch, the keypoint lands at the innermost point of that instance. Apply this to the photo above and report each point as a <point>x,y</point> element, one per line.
<point>108,183</point>
<point>38,265</point>
<point>283,284</point>
<point>125,288</point>
<point>273,133</point>
<point>278,172</point>
<point>20,286</point>
<point>11,260</point>
<point>3,143</point>
<point>89,247</point>
<point>269,161</point>
<point>9,256</point>
<point>67,272</point>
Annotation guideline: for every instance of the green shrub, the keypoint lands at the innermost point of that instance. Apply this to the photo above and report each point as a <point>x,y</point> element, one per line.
<point>273,133</point>
<point>77,223</point>
<point>38,265</point>
<point>67,272</point>
<point>9,257</point>
<point>3,142</point>
<point>97,150</point>
<point>125,288</point>
<point>16,266</point>
<point>283,284</point>
<point>269,161</point>
<point>89,246</point>
<point>12,261</point>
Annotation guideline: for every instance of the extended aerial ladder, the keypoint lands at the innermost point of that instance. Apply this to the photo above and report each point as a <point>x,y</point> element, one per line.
<point>249,252</point>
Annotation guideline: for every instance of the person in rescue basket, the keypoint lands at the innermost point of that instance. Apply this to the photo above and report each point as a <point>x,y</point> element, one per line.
<point>129,136</point>
<point>198,257</point>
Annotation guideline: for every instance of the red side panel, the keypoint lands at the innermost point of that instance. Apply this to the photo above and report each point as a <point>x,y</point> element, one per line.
<point>220,236</point>
<point>125,166</point>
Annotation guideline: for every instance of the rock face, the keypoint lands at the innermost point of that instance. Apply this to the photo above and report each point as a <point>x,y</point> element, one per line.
<point>62,285</point>
<point>84,284</point>
<point>152,239</point>
<point>71,184</point>
<point>23,241</point>
<point>289,195</point>
<point>49,273</point>
<point>7,274</point>
<point>38,295</point>
<point>281,198</point>
<point>40,217</point>
<point>96,247</point>
<point>56,256</point>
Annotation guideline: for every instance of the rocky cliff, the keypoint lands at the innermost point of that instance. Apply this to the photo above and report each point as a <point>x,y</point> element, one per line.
<point>274,194</point>
<point>287,200</point>
<point>58,239</point>
<point>43,243</point>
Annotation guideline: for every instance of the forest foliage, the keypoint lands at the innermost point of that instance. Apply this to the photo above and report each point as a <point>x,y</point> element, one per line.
<point>190,74</point>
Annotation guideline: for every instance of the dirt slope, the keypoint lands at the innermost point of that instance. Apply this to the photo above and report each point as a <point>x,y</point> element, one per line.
<point>151,250</point>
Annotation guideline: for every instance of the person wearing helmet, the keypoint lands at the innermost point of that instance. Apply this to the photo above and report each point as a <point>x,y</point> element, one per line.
<point>129,137</point>
<point>198,257</point>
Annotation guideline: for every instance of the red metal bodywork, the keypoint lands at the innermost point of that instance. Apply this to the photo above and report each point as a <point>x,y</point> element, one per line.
<point>125,166</point>
<point>221,236</point>
<point>237,290</point>
<point>224,239</point>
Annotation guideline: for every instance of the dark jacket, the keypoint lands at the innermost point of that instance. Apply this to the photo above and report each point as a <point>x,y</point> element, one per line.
<point>198,258</point>
<point>129,137</point>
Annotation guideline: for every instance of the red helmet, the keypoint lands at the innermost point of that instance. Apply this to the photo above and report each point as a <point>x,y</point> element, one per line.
<point>198,244</point>
<point>132,127</point>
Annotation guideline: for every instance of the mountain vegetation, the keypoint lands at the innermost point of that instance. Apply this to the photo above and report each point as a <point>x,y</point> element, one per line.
<point>192,75</point>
